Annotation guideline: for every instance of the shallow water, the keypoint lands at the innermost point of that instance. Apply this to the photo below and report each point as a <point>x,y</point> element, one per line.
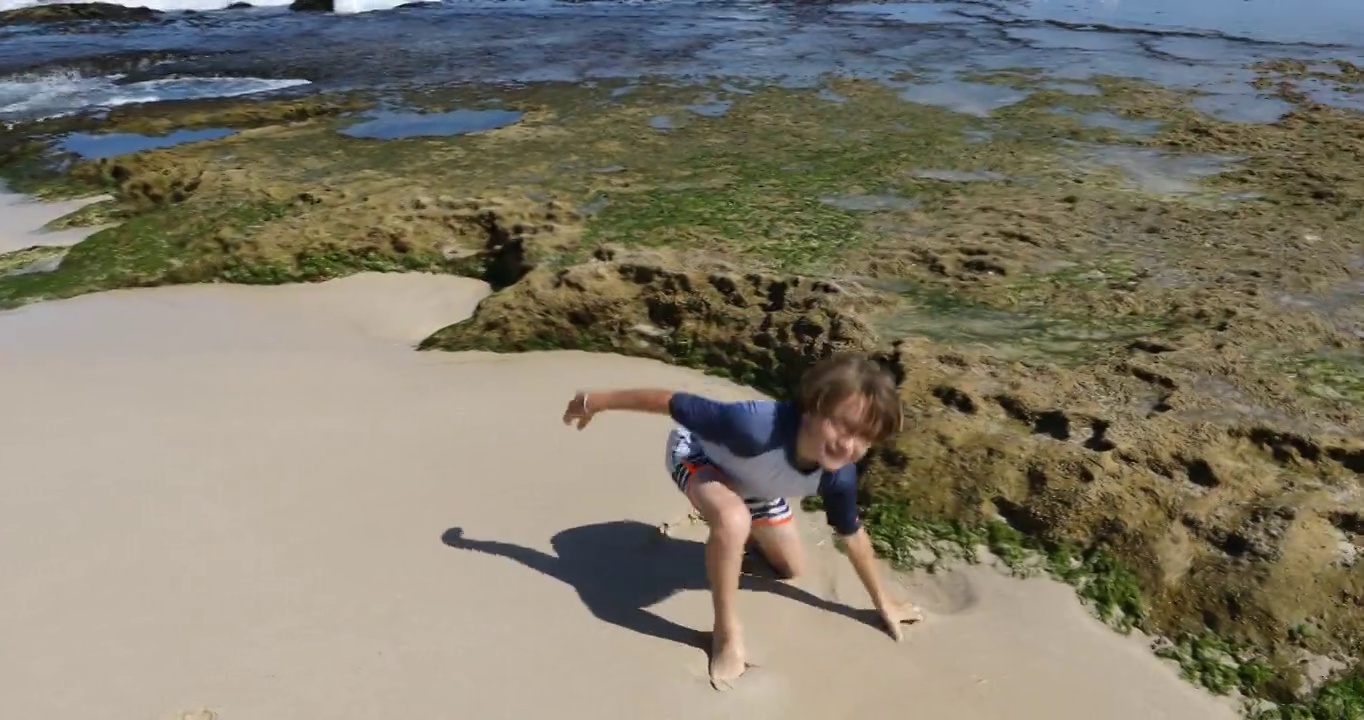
<point>869,203</point>
<point>1301,21</point>
<point>1151,171</point>
<point>711,107</point>
<point>1004,334</point>
<point>1202,45</point>
<point>960,176</point>
<point>1112,121</point>
<point>979,99</point>
<point>93,146</point>
<point>392,125</point>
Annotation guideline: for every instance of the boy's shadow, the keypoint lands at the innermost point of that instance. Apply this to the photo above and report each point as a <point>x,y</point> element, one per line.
<point>621,568</point>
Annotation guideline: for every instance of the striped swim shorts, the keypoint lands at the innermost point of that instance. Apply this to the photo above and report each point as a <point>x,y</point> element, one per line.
<point>688,463</point>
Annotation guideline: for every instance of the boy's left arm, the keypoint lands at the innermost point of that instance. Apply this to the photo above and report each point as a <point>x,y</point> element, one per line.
<point>840,507</point>
<point>893,612</point>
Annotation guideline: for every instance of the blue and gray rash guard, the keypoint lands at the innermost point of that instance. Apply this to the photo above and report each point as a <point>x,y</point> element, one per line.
<point>754,443</point>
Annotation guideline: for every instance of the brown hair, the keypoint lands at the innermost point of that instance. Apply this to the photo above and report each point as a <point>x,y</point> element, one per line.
<point>833,380</point>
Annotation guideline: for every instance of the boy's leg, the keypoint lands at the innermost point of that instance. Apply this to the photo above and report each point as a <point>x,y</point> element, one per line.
<point>776,537</point>
<point>729,521</point>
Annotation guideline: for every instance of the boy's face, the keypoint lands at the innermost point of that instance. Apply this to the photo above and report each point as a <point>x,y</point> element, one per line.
<point>839,436</point>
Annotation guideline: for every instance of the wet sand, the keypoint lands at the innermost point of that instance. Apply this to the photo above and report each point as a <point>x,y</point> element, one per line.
<point>263,502</point>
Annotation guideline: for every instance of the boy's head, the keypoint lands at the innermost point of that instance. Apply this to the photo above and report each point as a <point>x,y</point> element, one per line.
<point>848,403</point>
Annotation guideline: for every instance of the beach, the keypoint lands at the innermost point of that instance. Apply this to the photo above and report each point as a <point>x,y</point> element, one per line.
<point>286,343</point>
<point>262,501</point>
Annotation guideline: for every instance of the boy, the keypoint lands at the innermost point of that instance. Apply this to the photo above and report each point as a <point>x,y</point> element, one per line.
<point>737,462</point>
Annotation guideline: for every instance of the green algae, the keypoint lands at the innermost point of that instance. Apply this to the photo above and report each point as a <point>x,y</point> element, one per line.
<point>794,235</point>
<point>1027,331</point>
<point>17,260</point>
<point>1339,699</point>
<point>1224,667</point>
<point>1108,588</point>
<point>150,249</point>
<point>1333,376</point>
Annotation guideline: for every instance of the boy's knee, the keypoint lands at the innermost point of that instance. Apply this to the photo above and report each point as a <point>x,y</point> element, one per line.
<point>733,523</point>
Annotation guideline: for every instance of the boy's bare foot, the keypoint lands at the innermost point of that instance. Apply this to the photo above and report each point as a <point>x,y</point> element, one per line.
<point>727,661</point>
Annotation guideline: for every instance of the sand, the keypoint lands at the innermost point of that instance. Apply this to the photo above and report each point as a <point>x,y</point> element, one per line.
<point>23,216</point>
<point>263,501</point>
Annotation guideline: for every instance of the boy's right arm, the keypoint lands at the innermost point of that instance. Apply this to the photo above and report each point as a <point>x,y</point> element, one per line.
<point>584,405</point>
<point>700,414</point>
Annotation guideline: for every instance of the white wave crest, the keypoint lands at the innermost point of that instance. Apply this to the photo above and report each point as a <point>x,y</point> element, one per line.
<point>54,95</point>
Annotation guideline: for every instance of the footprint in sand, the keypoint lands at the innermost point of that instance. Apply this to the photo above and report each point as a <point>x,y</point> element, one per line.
<point>756,681</point>
<point>943,593</point>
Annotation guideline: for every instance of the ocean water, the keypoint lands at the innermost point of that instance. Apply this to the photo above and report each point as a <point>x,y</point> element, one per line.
<point>198,48</point>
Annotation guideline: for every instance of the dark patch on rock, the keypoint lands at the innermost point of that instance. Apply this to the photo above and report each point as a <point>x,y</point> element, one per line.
<point>1350,459</point>
<point>505,258</point>
<point>1052,423</point>
<point>1292,448</point>
<point>954,398</point>
<point>1200,472</point>
<point>1349,522</point>
<point>1098,440</point>
<point>1153,377</point>
<point>1151,346</point>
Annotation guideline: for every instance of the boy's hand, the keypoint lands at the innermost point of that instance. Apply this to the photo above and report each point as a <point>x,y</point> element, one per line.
<point>896,612</point>
<point>578,411</point>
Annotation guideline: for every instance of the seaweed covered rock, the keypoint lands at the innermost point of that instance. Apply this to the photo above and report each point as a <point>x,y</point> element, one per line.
<point>1242,528</point>
<point>72,12</point>
<point>143,180</point>
<point>755,327</point>
<point>328,232</point>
